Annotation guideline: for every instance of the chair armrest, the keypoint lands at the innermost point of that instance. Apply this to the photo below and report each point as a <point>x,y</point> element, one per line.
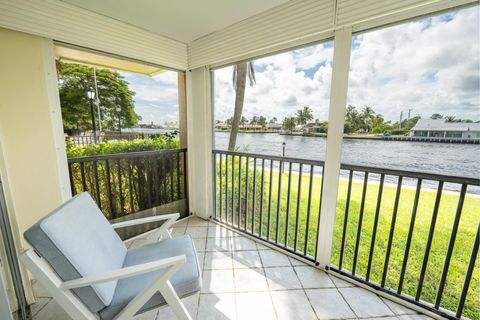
<point>173,217</point>
<point>127,272</point>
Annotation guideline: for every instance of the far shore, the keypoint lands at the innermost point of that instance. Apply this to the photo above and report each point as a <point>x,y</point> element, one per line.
<point>394,138</point>
<point>305,134</point>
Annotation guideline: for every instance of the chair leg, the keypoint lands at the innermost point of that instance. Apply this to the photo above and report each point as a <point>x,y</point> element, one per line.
<point>174,301</point>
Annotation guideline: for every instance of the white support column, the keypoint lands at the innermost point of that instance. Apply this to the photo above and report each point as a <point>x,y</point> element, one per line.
<point>33,163</point>
<point>336,119</point>
<point>200,138</point>
<point>51,82</point>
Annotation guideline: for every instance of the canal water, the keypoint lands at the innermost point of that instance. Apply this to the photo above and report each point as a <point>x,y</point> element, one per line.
<point>437,158</point>
<point>453,159</point>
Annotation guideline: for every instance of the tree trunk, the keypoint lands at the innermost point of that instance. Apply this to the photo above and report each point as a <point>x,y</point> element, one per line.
<point>239,97</point>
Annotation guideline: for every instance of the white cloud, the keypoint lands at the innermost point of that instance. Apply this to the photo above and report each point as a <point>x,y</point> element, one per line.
<point>156,98</point>
<point>431,65</point>
<point>284,83</point>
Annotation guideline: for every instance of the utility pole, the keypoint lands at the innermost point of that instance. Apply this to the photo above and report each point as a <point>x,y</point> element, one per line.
<point>400,123</point>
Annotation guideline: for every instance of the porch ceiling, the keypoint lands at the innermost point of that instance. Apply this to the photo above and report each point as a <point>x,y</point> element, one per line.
<point>183,20</point>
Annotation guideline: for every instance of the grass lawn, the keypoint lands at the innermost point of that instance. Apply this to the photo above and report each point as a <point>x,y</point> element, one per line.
<point>286,230</point>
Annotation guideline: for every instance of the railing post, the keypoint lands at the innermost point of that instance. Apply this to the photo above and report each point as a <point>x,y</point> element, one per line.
<point>336,119</point>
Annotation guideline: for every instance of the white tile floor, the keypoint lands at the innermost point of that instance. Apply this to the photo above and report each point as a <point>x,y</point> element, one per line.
<point>243,279</point>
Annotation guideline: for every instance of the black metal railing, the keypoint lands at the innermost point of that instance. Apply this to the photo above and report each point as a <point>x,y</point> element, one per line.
<point>409,234</point>
<point>263,196</point>
<point>86,140</point>
<point>128,183</point>
<point>402,238</point>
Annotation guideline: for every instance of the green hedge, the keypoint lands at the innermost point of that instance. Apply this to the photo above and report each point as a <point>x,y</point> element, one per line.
<point>158,142</point>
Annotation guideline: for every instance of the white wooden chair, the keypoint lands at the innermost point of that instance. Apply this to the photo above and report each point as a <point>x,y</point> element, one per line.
<point>80,260</point>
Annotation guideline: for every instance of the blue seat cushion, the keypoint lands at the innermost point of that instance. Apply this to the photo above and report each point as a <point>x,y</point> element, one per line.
<point>186,281</point>
<point>78,241</point>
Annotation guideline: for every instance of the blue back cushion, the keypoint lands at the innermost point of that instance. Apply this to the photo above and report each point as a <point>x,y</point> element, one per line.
<point>78,241</point>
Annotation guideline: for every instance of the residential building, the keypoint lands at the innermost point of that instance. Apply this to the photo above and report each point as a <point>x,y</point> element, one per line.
<point>439,128</point>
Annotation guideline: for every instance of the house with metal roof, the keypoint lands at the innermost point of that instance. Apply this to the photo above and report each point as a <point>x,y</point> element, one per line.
<point>439,128</point>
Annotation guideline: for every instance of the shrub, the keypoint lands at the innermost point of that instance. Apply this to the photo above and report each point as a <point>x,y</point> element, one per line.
<point>157,142</point>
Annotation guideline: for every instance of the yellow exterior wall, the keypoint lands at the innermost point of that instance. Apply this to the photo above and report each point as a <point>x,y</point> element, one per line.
<point>32,152</point>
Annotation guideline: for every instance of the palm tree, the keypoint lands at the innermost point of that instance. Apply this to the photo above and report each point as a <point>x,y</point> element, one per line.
<point>243,121</point>
<point>240,72</point>
<point>304,115</point>
<point>367,116</point>
<point>289,123</point>
<point>450,119</point>
<point>262,121</point>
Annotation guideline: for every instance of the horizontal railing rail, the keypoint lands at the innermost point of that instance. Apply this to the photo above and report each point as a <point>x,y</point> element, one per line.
<point>413,174</point>
<point>271,157</point>
<point>416,239</point>
<point>402,239</point>
<point>263,196</point>
<point>122,184</point>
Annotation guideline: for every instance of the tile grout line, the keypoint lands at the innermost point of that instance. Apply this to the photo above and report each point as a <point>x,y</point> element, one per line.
<point>234,287</point>
<point>156,313</point>
<point>348,304</point>
<point>202,270</point>
<point>394,313</point>
<point>268,285</point>
<point>304,291</point>
<point>50,299</point>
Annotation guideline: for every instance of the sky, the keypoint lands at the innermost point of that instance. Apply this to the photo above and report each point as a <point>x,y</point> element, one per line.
<point>430,66</point>
<point>156,98</point>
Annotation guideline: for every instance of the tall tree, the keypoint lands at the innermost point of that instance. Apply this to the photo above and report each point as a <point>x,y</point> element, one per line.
<point>304,115</point>
<point>451,119</point>
<point>378,124</point>
<point>289,123</point>
<point>254,120</point>
<point>352,119</point>
<point>243,121</point>
<point>262,121</point>
<point>367,116</point>
<point>273,120</point>
<point>115,96</point>
<point>240,72</point>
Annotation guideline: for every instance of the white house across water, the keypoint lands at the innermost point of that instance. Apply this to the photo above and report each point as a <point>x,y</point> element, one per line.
<point>439,128</point>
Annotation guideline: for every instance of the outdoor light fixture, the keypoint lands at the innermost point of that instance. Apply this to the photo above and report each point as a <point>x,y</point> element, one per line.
<point>91,93</point>
<point>91,97</point>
